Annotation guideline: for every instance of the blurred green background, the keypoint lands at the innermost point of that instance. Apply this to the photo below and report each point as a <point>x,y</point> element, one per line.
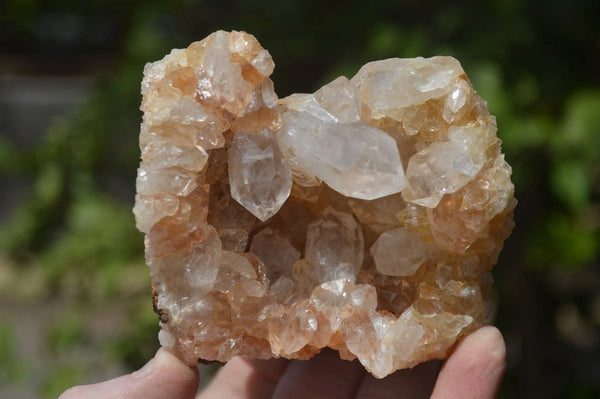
<point>74,289</point>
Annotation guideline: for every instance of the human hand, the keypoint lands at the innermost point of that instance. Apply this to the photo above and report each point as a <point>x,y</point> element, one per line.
<point>474,370</point>
<point>164,376</point>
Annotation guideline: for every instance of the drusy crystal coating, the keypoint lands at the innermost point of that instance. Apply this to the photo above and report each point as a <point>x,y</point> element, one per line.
<point>365,217</point>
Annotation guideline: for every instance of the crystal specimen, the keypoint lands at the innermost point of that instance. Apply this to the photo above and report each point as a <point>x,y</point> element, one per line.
<point>365,217</point>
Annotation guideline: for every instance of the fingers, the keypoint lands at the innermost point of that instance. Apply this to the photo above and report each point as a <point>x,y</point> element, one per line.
<point>323,376</point>
<point>410,383</point>
<point>241,378</point>
<point>475,368</point>
<point>162,377</point>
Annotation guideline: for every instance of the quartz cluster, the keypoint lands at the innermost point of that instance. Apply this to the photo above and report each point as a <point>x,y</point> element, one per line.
<point>365,217</point>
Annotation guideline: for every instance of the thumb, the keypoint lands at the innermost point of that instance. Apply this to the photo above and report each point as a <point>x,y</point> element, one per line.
<point>475,368</point>
<point>164,376</point>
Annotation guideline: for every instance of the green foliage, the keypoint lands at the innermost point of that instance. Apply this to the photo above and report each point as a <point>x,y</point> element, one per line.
<point>563,242</point>
<point>101,237</point>
<point>59,378</point>
<point>535,63</point>
<point>571,183</point>
<point>8,156</point>
<point>575,150</point>
<point>11,368</point>
<point>66,332</point>
<point>137,341</point>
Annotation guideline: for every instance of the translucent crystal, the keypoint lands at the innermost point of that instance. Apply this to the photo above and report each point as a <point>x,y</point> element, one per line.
<point>341,98</point>
<point>233,269</point>
<point>220,81</point>
<point>257,211</point>
<point>291,331</point>
<point>440,169</point>
<point>188,158</point>
<point>235,240</point>
<point>276,252</point>
<point>379,214</point>
<point>199,269</point>
<point>365,335</point>
<point>334,246</point>
<point>355,159</point>
<point>398,252</point>
<point>340,298</point>
<point>259,177</point>
<point>389,86</point>
<point>175,181</point>
<point>149,209</point>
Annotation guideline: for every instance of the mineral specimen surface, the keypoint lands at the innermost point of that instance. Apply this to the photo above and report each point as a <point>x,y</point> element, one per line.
<point>365,217</point>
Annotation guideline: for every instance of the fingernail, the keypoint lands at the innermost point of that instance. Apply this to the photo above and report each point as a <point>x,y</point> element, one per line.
<point>147,369</point>
<point>161,358</point>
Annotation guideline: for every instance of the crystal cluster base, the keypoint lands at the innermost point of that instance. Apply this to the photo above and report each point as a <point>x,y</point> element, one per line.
<point>365,217</point>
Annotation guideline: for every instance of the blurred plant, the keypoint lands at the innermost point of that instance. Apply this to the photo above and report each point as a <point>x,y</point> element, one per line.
<point>12,369</point>
<point>534,62</point>
<point>60,378</point>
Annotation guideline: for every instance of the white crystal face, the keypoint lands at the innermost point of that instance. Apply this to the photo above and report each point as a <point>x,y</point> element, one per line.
<point>276,252</point>
<point>220,80</point>
<point>334,246</point>
<point>445,167</point>
<point>200,270</point>
<point>440,169</point>
<point>259,176</point>
<point>338,299</point>
<point>234,269</point>
<point>390,85</point>
<point>152,208</point>
<point>355,159</point>
<point>341,98</point>
<point>398,252</point>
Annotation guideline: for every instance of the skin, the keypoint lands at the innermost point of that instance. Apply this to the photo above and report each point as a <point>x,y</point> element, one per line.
<point>474,370</point>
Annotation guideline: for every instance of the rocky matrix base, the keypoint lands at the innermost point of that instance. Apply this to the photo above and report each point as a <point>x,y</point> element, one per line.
<point>365,217</point>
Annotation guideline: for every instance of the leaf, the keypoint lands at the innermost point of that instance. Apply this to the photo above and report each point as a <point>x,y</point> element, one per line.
<point>571,183</point>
